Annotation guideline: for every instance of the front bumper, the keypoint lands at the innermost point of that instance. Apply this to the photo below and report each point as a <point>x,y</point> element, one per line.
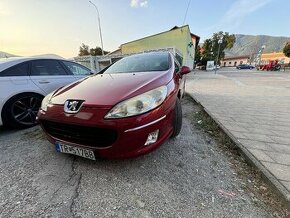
<point>131,132</point>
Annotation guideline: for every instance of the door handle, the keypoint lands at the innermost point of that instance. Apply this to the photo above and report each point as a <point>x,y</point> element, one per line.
<point>43,82</point>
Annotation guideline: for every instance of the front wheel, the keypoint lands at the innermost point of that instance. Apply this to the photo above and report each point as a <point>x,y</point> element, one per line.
<point>277,67</point>
<point>20,111</point>
<point>177,119</point>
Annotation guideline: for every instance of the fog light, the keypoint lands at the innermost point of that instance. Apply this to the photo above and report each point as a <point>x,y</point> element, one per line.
<point>152,137</point>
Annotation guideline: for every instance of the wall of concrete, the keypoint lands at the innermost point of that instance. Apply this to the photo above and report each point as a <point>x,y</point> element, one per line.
<point>179,38</point>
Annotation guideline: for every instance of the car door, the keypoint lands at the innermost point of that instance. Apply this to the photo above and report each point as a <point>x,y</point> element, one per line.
<point>76,69</point>
<point>49,74</point>
<point>15,80</point>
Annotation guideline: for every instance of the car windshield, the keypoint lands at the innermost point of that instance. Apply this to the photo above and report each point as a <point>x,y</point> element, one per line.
<point>141,63</point>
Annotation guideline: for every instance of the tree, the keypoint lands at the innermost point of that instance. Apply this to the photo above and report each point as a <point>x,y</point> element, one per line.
<point>286,50</point>
<point>84,50</point>
<point>97,51</point>
<point>207,51</point>
<point>210,46</point>
<point>197,54</point>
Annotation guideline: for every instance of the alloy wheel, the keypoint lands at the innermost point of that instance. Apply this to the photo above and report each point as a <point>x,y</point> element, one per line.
<point>25,109</point>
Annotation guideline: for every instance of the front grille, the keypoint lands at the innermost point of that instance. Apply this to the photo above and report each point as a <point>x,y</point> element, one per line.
<point>84,135</point>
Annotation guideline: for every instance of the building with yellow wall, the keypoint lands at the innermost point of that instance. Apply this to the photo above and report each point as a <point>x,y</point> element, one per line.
<point>178,37</point>
<point>266,57</point>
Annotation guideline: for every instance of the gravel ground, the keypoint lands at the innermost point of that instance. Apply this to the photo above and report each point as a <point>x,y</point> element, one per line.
<point>190,176</point>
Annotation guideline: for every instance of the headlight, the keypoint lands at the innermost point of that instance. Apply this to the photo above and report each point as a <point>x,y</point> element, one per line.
<point>46,101</point>
<point>139,104</point>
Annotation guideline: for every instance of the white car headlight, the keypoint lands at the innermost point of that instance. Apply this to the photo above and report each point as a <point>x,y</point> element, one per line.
<point>139,104</point>
<point>46,101</point>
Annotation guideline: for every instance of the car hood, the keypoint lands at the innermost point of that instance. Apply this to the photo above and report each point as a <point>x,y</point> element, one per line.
<point>109,89</point>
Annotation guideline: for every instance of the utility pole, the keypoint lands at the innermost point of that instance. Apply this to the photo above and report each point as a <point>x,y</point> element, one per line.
<point>100,30</point>
<point>258,58</point>
<point>218,54</point>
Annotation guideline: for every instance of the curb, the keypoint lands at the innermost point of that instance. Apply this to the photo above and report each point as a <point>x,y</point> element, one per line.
<point>251,159</point>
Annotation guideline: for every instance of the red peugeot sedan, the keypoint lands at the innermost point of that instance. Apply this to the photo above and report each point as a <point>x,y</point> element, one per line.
<point>127,110</point>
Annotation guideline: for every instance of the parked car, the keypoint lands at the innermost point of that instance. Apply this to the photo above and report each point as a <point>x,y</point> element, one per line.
<point>245,66</point>
<point>25,81</point>
<point>128,110</point>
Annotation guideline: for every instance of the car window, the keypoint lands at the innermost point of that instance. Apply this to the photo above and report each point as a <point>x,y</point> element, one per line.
<point>76,69</point>
<point>141,63</point>
<point>18,70</point>
<point>46,67</point>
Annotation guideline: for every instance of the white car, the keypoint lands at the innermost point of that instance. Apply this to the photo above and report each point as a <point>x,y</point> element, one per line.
<point>25,81</point>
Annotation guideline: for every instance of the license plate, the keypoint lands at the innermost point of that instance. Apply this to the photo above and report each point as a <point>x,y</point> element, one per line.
<point>82,152</point>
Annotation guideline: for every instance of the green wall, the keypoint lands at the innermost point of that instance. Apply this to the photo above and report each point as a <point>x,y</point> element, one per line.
<point>179,38</point>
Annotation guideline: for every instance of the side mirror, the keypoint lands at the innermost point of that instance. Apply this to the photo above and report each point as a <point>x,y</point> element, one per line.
<point>185,70</point>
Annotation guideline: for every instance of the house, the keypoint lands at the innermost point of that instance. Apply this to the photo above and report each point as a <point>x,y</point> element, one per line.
<point>280,56</point>
<point>235,60</point>
<point>115,52</point>
<point>178,37</point>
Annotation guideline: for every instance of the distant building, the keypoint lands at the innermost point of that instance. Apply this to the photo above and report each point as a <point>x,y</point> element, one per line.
<point>266,57</point>
<point>115,52</point>
<point>235,60</point>
<point>178,37</point>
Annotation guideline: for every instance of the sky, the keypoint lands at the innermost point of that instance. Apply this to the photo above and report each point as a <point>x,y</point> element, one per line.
<point>32,27</point>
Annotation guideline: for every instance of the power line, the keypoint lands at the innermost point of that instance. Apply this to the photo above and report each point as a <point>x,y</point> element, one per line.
<point>186,11</point>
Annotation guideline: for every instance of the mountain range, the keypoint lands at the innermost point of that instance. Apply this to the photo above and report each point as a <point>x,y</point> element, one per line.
<point>6,55</point>
<point>249,44</point>
<point>244,45</point>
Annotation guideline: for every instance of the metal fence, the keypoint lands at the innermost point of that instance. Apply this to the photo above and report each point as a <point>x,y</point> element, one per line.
<point>97,63</point>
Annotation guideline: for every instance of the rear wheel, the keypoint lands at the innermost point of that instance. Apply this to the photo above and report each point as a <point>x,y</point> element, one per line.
<point>20,111</point>
<point>177,120</point>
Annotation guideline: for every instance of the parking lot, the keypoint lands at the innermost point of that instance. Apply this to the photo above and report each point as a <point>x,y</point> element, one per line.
<point>189,176</point>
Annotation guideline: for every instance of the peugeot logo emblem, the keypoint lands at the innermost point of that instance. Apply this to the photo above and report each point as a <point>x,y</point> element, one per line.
<point>72,106</point>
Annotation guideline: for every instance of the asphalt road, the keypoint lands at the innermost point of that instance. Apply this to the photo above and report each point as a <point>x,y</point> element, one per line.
<point>189,176</point>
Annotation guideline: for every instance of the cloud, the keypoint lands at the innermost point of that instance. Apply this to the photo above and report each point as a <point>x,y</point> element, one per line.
<point>139,3</point>
<point>237,12</point>
<point>144,4</point>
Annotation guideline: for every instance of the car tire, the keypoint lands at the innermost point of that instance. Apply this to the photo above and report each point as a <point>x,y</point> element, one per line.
<point>177,119</point>
<point>20,111</point>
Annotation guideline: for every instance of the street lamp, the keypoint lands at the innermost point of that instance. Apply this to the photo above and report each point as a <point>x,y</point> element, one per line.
<point>260,55</point>
<point>218,54</point>
<point>99,26</point>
